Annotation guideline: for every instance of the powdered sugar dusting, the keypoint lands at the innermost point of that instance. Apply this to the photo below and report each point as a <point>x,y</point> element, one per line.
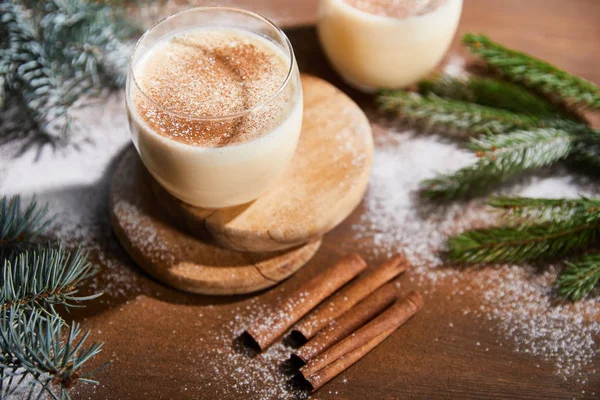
<point>518,298</point>
<point>257,376</point>
<point>75,182</point>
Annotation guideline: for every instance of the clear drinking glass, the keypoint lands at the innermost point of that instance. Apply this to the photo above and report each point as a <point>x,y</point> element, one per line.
<point>372,49</point>
<point>226,174</point>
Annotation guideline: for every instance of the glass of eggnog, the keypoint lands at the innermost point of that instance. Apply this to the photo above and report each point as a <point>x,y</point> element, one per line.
<point>215,105</point>
<point>386,44</point>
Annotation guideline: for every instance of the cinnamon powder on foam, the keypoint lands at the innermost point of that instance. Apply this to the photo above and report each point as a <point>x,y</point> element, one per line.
<point>212,73</point>
<point>396,8</point>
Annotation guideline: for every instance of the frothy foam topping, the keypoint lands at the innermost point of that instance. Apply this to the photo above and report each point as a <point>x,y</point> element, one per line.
<point>211,72</point>
<point>396,8</point>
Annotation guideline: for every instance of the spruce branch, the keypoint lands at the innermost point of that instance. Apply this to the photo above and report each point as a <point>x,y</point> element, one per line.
<point>500,157</point>
<point>575,228</point>
<point>43,278</point>
<point>579,278</point>
<point>519,244</point>
<point>20,225</point>
<point>34,96</point>
<point>523,210</point>
<point>41,347</point>
<point>53,53</point>
<point>491,93</point>
<point>534,73</point>
<point>33,340</point>
<point>454,116</point>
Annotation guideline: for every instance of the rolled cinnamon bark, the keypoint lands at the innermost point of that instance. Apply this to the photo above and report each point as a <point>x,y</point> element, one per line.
<point>271,326</point>
<point>346,298</point>
<point>350,321</point>
<point>323,376</point>
<point>393,317</point>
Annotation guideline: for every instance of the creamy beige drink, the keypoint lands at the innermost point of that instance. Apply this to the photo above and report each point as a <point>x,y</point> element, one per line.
<point>386,43</point>
<point>215,113</point>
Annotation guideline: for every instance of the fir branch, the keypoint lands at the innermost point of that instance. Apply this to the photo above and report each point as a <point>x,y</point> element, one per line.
<point>34,93</point>
<point>20,226</point>
<point>54,52</point>
<point>579,278</point>
<point>37,345</point>
<point>491,93</point>
<point>500,157</point>
<point>524,210</point>
<point>525,243</point>
<point>32,335</point>
<point>534,73</point>
<point>43,278</point>
<point>454,116</point>
<point>93,36</point>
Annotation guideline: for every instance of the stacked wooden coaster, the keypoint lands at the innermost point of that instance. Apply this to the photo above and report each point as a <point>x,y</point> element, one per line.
<point>346,325</point>
<point>256,245</point>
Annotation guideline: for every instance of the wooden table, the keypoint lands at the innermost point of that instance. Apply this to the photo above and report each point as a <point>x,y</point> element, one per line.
<point>157,337</point>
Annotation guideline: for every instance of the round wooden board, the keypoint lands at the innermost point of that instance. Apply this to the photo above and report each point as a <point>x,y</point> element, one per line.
<point>325,182</point>
<point>179,259</point>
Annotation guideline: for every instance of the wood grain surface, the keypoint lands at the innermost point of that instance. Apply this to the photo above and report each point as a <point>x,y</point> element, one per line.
<point>159,340</point>
<point>183,261</point>
<point>325,182</point>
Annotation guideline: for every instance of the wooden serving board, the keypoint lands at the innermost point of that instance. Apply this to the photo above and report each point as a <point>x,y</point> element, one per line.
<point>181,260</point>
<point>325,182</point>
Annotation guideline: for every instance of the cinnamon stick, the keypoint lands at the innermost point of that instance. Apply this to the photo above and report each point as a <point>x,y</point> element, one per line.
<point>350,321</point>
<point>323,376</point>
<point>270,327</point>
<point>393,317</point>
<point>346,298</point>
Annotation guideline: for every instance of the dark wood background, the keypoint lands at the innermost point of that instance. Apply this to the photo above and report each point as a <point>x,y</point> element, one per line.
<point>151,331</point>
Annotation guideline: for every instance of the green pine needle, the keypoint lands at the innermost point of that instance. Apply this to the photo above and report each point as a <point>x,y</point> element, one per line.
<point>501,157</point>
<point>37,346</point>
<point>526,243</point>
<point>534,73</point>
<point>20,225</point>
<point>579,278</point>
<point>454,116</point>
<point>558,227</point>
<point>33,341</point>
<point>523,210</point>
<point>491,93</point>
<point>43,278</point>
<point>52,53</point>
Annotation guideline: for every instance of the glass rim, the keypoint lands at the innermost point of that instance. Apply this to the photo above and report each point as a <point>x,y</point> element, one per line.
<point>238,114</point>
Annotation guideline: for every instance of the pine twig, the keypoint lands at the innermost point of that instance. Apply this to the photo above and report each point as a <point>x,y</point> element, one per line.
<point>525,210</point>
<point>33,282</point>
<point>534,73</point>
<point>36,345</point>
<point>548,238</point>
<point>54,52</point>
<point>500,157</point>
<point>43,278</point>
<point>491,93</point>
<point>579,278</point>
<point>35,86</point>
<point>454,116</point>
<point>19,226</point>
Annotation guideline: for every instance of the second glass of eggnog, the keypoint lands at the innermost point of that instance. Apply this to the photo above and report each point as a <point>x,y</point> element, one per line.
<point>386,44</point>
<point>215,105</point>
